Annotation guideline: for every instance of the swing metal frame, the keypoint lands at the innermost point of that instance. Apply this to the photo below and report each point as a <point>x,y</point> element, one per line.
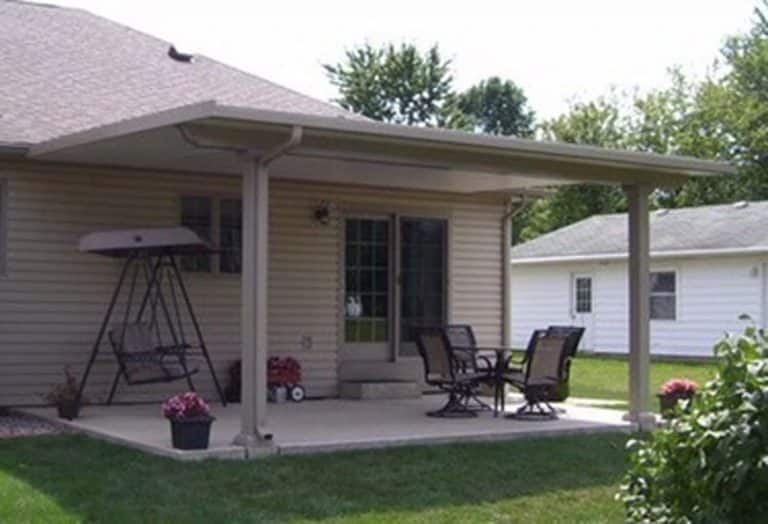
<point>158,265</point>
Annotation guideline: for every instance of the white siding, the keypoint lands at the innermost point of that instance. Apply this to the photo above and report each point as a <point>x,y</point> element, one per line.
<point>712,293</point>
<point>52,298</point>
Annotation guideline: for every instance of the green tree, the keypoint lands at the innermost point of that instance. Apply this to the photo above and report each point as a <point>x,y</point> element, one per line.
<point>497,107</point>
<point>395,84</point>
<point>597,123</point>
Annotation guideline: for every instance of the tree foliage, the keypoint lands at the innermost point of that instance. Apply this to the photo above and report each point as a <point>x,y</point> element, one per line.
<point>398,84</point>
<point>711,464</point>
<point>394,84</point>
<point>497,107</point>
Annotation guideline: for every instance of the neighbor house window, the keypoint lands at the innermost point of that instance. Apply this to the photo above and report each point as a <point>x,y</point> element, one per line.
<point>218,221</point>
<point>663,295</point>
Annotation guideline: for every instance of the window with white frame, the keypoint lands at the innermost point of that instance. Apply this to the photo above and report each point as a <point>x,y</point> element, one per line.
<point>218,221</point>
<point>663,295</point>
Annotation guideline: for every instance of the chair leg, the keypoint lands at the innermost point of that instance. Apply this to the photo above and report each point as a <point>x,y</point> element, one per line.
<point>455,407</point>
<point>534,409</point>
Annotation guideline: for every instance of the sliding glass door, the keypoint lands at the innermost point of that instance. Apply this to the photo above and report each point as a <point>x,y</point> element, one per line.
<point>394,283</point>
<point>422,278</point>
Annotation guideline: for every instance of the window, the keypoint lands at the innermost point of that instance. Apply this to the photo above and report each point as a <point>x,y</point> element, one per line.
<point>366,302</point>
<point>583,295</point>
<point>218,221</point>
<point>663,290</point>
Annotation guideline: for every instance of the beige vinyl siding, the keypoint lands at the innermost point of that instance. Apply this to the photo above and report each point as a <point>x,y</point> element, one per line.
<point>52,298</point>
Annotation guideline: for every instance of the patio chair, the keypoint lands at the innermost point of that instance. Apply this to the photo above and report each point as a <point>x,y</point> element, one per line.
<point>545,369</point>
<point>464,346</point>
<point>573,335</point>
<point>142,361</point>
<point>513,365</point>
<point>447,373</point>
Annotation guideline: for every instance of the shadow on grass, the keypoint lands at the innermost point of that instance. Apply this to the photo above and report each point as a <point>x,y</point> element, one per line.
<point>95,481</point>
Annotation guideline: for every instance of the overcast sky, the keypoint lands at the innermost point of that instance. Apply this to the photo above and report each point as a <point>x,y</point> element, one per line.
<point>555,49</point>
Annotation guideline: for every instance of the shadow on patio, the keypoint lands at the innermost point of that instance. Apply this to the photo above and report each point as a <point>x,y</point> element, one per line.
<point>558,479</point>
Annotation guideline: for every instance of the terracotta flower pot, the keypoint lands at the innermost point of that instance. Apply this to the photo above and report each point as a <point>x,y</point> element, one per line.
<point>191,433</point>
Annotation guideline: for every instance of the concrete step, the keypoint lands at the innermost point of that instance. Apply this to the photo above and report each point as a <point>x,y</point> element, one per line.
<point>379,389</point>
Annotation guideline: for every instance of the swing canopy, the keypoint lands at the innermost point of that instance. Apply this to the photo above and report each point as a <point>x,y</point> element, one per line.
<point>150,241</point>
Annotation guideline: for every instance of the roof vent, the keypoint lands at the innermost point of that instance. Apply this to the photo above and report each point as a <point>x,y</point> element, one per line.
<point>179,57</point>
<point>741,205</point>
<point>662,211</point>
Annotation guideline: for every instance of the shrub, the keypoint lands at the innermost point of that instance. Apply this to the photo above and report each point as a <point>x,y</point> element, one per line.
<point>711,463</point>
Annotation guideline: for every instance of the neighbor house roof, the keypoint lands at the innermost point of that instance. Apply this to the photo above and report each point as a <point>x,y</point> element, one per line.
<point>707,230</point>
<point>63,70</point>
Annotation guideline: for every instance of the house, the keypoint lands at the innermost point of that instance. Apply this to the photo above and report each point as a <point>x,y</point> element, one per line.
<point>708,269</point>
<point>103,127</point>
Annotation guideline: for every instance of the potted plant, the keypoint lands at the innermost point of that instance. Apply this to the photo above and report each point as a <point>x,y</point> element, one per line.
<point>64,397</point>
<point>191,420</point>
<point>674,390</point>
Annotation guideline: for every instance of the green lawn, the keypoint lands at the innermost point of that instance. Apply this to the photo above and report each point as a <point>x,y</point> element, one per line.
<point>75,479</point>
<point>608,378</point>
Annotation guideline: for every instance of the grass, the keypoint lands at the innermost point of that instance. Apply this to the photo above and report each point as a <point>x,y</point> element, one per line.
<point>72,479</point>
<point>608,378</point>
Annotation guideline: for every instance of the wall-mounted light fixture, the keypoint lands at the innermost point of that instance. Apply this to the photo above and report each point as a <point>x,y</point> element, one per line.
<point>323,213</point>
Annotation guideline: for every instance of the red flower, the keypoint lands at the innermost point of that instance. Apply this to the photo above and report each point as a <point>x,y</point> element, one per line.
<point>186,405</point>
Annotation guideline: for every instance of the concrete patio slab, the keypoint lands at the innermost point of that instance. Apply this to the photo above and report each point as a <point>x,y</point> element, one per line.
<point>332,425</point>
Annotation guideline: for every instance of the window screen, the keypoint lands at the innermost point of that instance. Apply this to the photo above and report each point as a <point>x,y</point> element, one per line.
<point>230,235</point>
<point>197,215</point>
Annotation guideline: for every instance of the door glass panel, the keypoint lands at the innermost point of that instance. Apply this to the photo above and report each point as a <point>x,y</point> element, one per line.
<point>583,295</point>
<point>422,278</point>
<point>366,303</point>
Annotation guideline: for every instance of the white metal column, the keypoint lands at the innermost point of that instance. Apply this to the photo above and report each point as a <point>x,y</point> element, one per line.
<point>254,304</point>
<point>639,306</point>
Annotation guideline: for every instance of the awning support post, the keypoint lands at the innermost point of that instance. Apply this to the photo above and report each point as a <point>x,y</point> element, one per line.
<point>639,307</point>
<point>255,252</point>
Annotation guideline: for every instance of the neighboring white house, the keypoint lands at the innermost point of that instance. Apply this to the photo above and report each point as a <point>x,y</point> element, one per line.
<point>708,268</point>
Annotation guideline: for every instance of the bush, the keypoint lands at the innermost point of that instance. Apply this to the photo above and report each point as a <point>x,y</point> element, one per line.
<point>711,463</point>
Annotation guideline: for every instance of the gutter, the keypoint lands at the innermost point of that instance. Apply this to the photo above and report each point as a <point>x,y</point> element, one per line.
<point>610,257</point>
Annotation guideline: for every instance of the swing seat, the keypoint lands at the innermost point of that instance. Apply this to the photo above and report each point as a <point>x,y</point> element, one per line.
<point>142,361</point>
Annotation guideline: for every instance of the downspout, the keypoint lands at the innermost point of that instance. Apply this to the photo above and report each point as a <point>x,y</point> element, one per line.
<point>511,211</point>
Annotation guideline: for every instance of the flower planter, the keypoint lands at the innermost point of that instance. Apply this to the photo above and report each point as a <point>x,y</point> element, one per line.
<point>68,410</point>
<point>668,402</point>
<point>191,433</point>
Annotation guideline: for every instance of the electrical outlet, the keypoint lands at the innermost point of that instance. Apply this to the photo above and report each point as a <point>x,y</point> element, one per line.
<point>306,342</point>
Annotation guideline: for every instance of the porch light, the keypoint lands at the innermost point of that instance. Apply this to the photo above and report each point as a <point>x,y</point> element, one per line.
<point>323,213</point>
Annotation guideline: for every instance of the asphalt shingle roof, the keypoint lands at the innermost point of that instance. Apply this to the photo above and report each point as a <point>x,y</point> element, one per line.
<point>726,226</point>
<point>63,70</point>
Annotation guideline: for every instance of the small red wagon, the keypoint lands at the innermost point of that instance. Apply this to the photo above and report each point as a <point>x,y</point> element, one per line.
<point>285,372</point>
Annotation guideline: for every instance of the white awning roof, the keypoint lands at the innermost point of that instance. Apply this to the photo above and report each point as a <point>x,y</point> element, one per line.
<point>205,137</point>
<point>152,240</point>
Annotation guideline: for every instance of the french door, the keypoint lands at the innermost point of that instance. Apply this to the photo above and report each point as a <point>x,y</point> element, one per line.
<point>394,282</point>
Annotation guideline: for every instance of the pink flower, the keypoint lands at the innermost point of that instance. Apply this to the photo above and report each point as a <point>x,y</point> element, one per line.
<point>186,405</point>
<point>679,386</point>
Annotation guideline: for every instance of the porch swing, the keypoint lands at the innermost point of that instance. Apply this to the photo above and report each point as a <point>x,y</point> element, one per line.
<point>150,345</point>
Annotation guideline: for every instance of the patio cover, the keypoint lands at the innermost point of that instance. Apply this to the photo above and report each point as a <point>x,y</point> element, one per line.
<point>201,138</point>
<point>214,138</point>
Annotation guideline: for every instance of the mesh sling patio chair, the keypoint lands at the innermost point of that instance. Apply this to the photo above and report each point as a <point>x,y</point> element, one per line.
<point>544,371</point>
<point>444,371</point>
<point>573,335</point>
<point>470,360</point>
